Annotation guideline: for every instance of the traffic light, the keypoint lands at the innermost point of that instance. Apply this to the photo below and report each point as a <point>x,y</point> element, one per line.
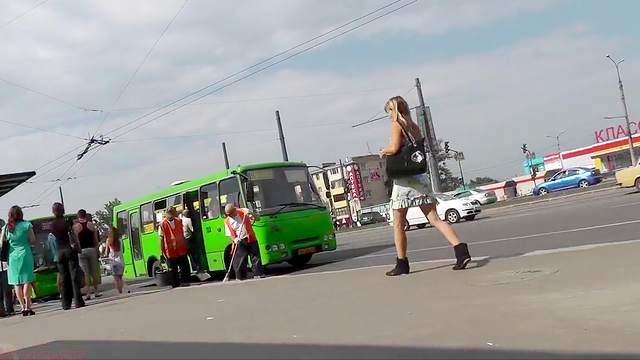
<point>446,147</point>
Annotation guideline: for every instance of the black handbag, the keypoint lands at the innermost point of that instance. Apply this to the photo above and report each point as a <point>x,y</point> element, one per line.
<point>410,159</point>
<point>4,251</point>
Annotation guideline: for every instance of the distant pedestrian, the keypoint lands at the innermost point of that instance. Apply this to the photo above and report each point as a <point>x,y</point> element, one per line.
<point>114,252</point>
<point>20,235</point>
<point>87,235</point>
<point>68,263</point>
<point>174,247</point>
<point>187,226</point>
<point>410,191</point>
<point>53,249</point>
<point>238,222</point>
<point>6,292</point>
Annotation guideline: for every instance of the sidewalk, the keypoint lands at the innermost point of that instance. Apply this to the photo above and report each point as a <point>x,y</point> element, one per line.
<point>559,304</point>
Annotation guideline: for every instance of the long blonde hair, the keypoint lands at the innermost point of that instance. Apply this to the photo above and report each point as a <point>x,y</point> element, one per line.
<point>399,110</point>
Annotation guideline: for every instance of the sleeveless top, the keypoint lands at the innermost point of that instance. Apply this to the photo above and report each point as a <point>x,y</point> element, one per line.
<point>60,229</point>
<point>85,237</point>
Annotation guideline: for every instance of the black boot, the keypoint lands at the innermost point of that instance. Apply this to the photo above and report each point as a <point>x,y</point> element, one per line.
<point>402,268</point>
<point>462,256</point>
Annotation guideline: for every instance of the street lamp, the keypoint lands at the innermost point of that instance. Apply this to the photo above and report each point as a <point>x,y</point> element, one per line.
<point>557,137</point>
<point>624,105</point>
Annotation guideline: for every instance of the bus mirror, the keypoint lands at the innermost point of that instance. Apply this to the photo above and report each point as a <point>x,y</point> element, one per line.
<point>327,194</point>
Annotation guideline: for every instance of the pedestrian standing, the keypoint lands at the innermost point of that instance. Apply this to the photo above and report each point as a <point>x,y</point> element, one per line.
<point>410,191</point>
<point>68,263</point>
<point>20,236</point>
<point>87,235</point>
<point>174,247</point>
<point>238,222</point>
<point>115,254</point>
<point>6,292</point>
<point>187,226</point>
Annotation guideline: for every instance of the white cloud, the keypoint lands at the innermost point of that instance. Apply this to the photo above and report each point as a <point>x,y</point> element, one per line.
<point>85,53</point>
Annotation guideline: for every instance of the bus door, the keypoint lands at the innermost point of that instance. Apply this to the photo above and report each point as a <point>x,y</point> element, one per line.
<point>212,227</point>
<point>137,257</point>
<point>125,238</point>
<point>192,203</point>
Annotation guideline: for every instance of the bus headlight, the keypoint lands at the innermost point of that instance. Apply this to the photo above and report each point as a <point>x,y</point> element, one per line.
<point>282,247</point>
<point>267,247</point>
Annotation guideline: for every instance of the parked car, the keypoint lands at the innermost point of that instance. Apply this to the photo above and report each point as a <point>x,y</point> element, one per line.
<point>629,177</point>
<point>578,177</point>
<point>449,208</point>
<point>483,196</point>
<point>372,217</point>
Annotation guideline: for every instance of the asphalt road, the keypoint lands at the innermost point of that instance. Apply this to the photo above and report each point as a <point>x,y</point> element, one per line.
<point>608,215</point>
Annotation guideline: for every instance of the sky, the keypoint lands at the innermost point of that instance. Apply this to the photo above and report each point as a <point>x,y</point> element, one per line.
<point>496,74</point>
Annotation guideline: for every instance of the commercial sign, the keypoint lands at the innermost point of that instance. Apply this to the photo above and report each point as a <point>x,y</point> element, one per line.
<point>356,189</point>
<point>612,133</point>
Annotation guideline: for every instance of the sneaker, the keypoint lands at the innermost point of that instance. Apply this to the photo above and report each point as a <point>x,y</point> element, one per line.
<point>97,295</point>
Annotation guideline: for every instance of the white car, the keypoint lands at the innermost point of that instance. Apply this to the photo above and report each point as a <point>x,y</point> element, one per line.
<point>449,209</point>
<point>483,196</point>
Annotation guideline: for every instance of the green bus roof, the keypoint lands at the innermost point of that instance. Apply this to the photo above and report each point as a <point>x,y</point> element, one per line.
<point>196,183</point>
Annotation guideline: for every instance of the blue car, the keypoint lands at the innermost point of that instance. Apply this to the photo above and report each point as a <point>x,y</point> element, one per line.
<point>578,177</point>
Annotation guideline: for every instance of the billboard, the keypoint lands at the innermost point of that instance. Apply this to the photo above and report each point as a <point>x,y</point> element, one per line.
<point>356,189</point>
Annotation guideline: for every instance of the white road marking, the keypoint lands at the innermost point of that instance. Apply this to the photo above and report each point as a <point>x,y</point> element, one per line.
<point>623,205</point>
<point>511,238</point>
<point>579,248</point>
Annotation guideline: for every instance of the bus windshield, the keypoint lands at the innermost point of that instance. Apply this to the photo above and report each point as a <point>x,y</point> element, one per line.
<point>286,186</point>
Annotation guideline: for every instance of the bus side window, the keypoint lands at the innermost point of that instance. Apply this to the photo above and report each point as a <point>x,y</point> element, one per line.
<point>229,193</point>
<point>159,208</point>
<point>123,223</point>
<point>210,208</point>
<point>147,216</point>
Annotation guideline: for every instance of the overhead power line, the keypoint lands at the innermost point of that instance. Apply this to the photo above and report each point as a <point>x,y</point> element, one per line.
<point>142,62</point>
<point>23,14</point>
<point>41,129</point>
<point>50,97</point>
<point>261,68</point>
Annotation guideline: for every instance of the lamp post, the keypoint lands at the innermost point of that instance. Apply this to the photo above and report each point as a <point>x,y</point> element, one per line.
<point>617,63</point>
<point>557,137</point>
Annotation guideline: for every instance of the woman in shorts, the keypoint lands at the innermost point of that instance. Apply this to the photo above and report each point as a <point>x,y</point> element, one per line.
<point>114,252</point>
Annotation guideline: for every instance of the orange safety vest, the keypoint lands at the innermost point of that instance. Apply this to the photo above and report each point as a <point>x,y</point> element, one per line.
<point>173,242</point>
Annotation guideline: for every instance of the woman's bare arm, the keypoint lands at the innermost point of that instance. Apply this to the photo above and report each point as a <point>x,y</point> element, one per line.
<point>396,141</point>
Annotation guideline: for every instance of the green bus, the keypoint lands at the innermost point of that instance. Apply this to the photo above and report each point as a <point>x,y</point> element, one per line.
<point>292,226</point>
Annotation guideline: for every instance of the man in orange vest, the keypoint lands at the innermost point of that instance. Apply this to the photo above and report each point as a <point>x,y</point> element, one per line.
<point>174,247</point>
<point>238,222</point>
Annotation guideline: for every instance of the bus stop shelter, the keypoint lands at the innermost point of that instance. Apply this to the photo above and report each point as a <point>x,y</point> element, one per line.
<point>9,182</point>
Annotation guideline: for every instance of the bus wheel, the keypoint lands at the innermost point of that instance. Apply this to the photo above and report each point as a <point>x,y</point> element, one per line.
<point>154,267</point>
<point>300,260</point>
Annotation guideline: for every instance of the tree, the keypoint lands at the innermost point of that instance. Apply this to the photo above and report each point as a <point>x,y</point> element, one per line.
<point>448,181</point>
<point>104,218</point>
<point>482,180</point>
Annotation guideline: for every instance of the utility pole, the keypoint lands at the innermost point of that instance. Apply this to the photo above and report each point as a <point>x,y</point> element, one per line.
<point>226,157</point>
<point>626,110</point>
<point>283,146</point>
<point>61,198</point>
<point>346,193</point>
<point>429,142</point>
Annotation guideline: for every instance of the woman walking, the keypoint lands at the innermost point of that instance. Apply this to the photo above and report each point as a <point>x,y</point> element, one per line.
<point>410,191</point>
<point>114,252</point>
<point>68,264</point>
<point>20,235</point>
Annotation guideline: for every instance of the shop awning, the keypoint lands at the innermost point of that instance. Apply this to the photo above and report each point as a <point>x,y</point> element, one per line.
<point>9,182</point>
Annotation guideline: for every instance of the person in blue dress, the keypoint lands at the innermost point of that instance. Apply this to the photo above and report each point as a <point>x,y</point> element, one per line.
<point>20,274</point>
